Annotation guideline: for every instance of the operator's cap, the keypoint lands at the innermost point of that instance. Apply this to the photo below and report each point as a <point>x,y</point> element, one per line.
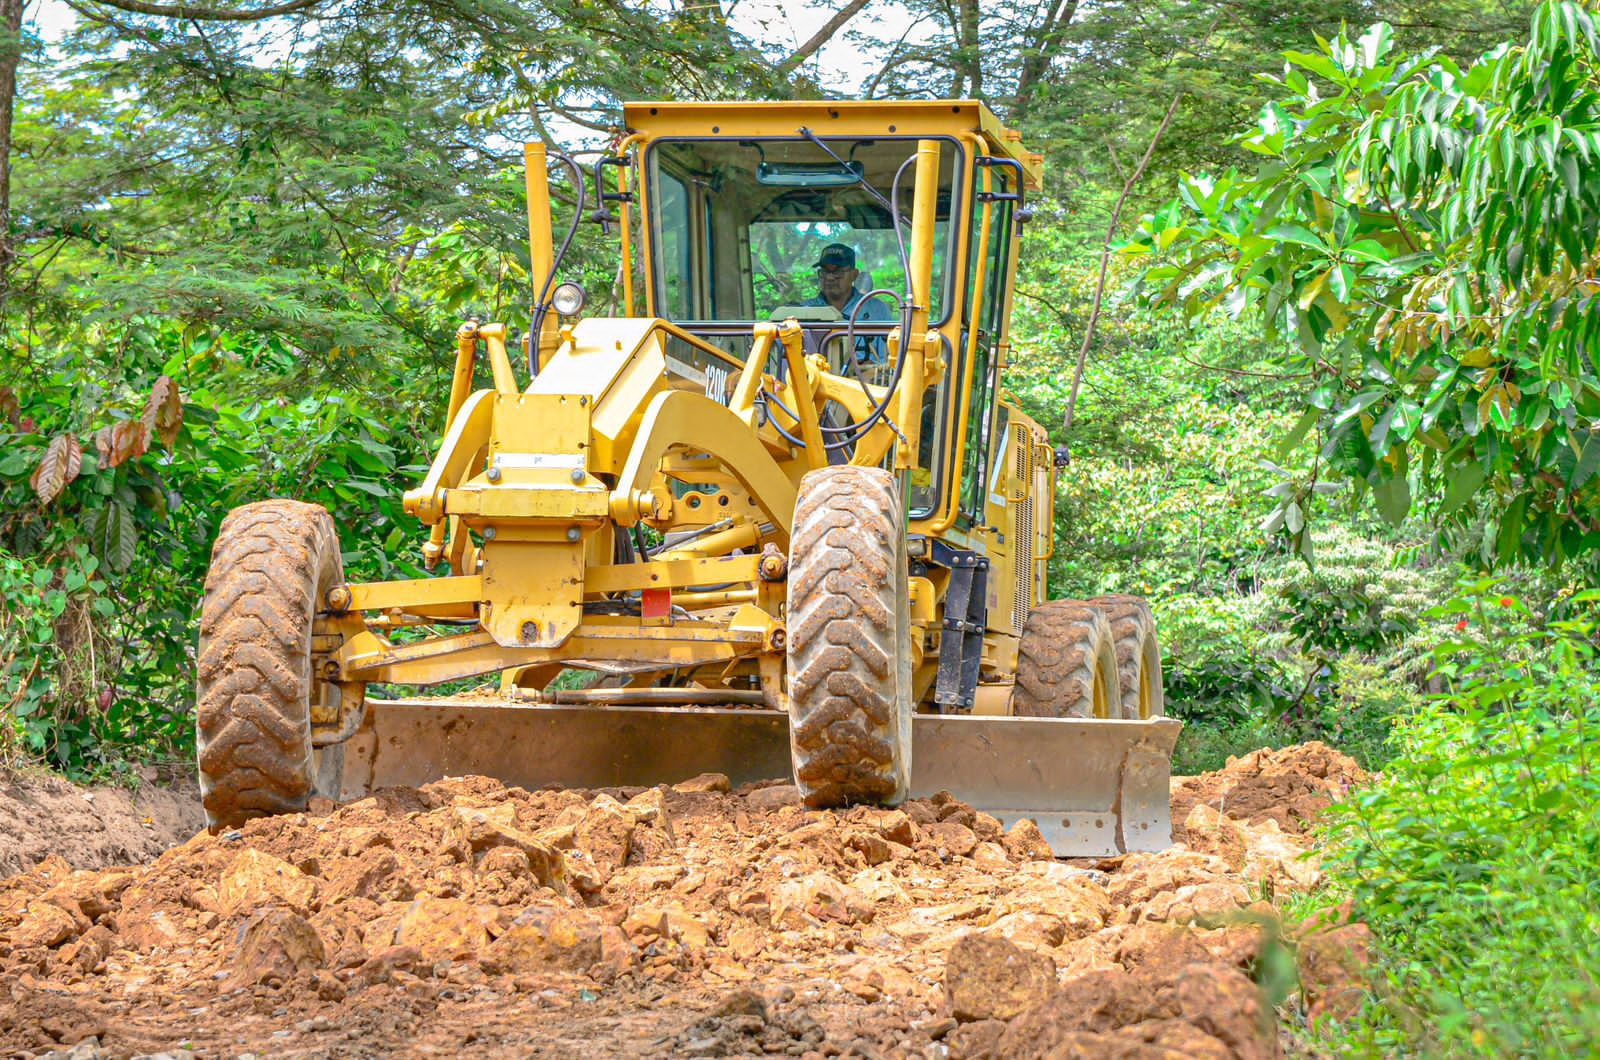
<point>838,256</point>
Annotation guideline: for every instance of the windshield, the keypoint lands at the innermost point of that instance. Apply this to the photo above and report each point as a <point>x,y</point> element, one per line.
<point>745,230</point>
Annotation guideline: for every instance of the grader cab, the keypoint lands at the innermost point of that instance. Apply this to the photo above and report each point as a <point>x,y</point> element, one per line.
<point>777,518</point>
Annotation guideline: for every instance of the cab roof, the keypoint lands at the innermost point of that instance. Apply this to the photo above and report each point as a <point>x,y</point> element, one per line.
<point>827,118</point>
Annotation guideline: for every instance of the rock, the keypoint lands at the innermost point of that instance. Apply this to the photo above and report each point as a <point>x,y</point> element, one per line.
<point>1212,832</point>
<point>93,894</point>
<point>1026,843</point>
<point>505,861</point>
<point>46,924</point>
<point>1333,970</point>
<point>814,898</point>
<point>1280,861</point>
<point>254,880</point>
<point>873,848</point>
<point>650,807</point>
<point>91,948</point>
<point>974,1041</point>
<point>441,929</point>
<point>1151,1040</point>
<point>144,929</point>
<point>544,938</point>
<point>955,839</point>
<point>605,835</point>
<point>1225,1004</point>
<point>704,784</point>
<point>275,944</point>
<point>894,825</point>
<point>991,857</point>
<point>479,829</point>
<point>1160,951</point>
<point>991,977</point>
<point>1034,931</point>
<point>774,797</point>
<point>382,966</point>
<point>1207,904</point>
<point>1097,1001</point>
<point>375,875</point>
<point>647,924</point>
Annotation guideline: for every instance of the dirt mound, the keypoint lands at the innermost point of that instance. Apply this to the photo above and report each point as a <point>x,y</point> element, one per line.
<point>91,827</point>
<point>1290,785</point>
<point>690,921</point>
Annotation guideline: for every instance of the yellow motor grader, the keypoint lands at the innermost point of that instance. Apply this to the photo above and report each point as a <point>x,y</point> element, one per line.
<point>779,517</point>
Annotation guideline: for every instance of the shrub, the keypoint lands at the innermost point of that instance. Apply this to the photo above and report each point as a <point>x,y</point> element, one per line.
<point>1475,857</point>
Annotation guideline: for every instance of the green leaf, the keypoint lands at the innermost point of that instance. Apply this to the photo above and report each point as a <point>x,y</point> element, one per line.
<point>1463,484</point>
<point>114,535</point>
<point>1588,462</point>
<point>1393,496</point>
<point>1367,250</point>
<point>1293,233</point>
<point>1298,432</point>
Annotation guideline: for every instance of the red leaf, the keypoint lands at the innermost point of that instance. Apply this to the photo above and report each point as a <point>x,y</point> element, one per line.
<point>163,413</point>
<point>63,459</point>
<point>121,442</point>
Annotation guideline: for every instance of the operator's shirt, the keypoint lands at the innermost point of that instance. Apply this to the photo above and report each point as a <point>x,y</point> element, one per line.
<point>867,349</point>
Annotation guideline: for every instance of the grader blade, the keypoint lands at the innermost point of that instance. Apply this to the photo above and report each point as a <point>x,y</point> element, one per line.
<point>1095,788</point>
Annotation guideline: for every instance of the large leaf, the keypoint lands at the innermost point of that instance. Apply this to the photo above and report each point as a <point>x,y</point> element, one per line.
<point>163,412</point>
<point>62,460</point>
<point>113,535</point>
<point>121,442</point>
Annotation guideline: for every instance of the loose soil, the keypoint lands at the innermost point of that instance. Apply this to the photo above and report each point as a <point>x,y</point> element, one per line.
<point>466,918</point>
<point>91,827</point>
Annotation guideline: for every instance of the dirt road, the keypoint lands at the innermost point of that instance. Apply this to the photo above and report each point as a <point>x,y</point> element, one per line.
<point>468,919</point>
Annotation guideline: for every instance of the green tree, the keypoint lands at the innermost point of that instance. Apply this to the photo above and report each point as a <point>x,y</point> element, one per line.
<point>1426,237</point>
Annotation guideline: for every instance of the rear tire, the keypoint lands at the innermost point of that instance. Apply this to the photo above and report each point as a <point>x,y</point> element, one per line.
<point>849,639</point>
<point>1133,632</point>
<point>271,568</point>
<point>1066,663</point>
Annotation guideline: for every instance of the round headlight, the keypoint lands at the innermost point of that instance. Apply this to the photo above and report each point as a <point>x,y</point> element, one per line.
<point>567,299</point>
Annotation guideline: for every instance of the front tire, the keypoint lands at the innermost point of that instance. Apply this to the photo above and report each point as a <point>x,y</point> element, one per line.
<point>849,639</point>
<point>271,568</point>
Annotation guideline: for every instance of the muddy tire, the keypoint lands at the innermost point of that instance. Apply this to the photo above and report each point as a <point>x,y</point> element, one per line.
<point>849,639</point>
<point>1133,633</point>
<point>1066,663</point>
<point>271,567</point>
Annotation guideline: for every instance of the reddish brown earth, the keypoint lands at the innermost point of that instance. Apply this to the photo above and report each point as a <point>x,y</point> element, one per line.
<point>468,918</point>
<point>91,827</point>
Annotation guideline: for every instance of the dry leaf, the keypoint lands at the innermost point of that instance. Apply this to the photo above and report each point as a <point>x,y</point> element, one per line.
<point>63,459</point>
<point>10,407</point>
<point>121,442</point>
<point>163,413</point>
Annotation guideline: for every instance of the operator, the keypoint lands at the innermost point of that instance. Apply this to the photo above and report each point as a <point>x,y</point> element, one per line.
<point>836,281</point>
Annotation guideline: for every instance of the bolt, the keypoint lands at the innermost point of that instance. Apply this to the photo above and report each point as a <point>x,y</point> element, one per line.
<point>493,474</point>
<point>488,533</point>
<point>573,534</point>
<point>530,632</point>
<point>778,639</point>
<point>578,476</point>
<point>339,599</point>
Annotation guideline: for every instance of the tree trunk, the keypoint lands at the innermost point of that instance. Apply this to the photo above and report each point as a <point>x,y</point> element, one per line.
<point>971,59</point>
<point>10,58</point>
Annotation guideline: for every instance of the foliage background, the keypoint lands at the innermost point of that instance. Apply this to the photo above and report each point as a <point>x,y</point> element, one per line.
<point>234,247</point>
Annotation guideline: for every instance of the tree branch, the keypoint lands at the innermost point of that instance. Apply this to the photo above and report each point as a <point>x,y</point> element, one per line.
<point>1105,258</point>
<point>822,36</point>
<point>208,14</point>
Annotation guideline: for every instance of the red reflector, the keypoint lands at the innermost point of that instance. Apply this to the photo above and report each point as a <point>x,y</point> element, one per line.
<point>655,603</point>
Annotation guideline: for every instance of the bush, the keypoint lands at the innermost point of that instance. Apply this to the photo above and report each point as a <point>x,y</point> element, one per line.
<point>1475,857</point>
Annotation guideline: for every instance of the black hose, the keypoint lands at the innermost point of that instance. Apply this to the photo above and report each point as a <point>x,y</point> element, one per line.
<point>541,308</point>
